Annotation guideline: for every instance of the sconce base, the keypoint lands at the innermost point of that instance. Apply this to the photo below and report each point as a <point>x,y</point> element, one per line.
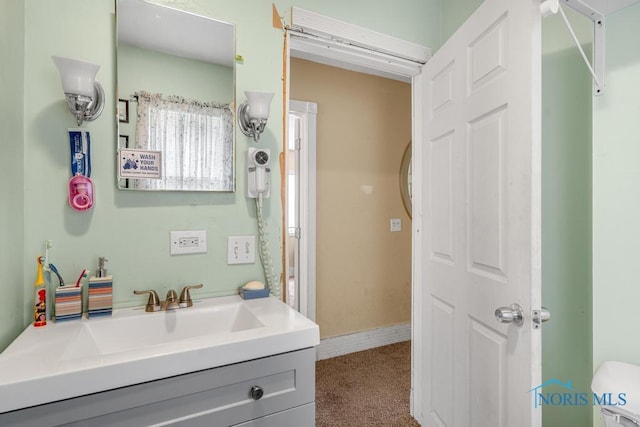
<point>250,127</point>
<point>84,107</point>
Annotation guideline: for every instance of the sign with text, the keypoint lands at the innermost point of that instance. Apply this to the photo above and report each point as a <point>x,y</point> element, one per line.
<point>139,163</point>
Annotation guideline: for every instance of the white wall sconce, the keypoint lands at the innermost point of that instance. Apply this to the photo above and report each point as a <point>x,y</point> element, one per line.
<point>84,95</point>
<point>253,114</point>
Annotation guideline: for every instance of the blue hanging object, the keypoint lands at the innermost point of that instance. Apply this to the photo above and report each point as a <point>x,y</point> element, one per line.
<point>80,144</point>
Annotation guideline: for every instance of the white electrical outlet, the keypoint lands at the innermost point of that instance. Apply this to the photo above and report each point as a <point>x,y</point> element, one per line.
<point>241,250</point>
<point>188,242</point>
<point>396,224</point>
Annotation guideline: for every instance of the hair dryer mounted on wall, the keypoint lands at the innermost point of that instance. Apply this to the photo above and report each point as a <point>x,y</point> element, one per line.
<point>258,172</point>
<point>258,188</point>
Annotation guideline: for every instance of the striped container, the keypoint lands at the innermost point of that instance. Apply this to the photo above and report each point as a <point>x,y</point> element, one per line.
<point>68,303</point>
<point>100,297</point>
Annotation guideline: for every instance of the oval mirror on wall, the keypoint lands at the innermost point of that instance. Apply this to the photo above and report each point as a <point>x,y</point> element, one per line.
<point>405,179</point>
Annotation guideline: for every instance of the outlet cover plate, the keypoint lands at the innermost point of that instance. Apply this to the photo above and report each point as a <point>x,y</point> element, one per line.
<point>395,224</point>
<point>188,242</point>
<point>241,250</point>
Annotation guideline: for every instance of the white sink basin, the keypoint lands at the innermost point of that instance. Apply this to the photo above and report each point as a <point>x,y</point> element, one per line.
<point>131,332</point>
<point>63,360</point>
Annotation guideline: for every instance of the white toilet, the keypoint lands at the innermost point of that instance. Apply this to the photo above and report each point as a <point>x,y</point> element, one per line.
<point>613,379</point>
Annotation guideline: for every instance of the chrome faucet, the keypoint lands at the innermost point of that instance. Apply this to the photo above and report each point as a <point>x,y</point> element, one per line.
<point>171,302</point>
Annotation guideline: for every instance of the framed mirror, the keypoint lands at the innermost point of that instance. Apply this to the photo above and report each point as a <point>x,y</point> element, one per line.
<point>405,179</point>
<point>175,97</point>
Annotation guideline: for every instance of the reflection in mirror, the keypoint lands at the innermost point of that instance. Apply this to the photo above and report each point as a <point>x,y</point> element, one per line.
<point>405,179</point>
<point>175,73</point>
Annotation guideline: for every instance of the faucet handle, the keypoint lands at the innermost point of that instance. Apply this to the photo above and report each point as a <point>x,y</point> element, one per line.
<point>185,295</point>
<point>153,304</point>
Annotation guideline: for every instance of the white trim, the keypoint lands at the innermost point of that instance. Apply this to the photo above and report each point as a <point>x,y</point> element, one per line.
<point>306,280</point>
<point>417,356</point>
<point>329,41</point>
<point>306,21</point>
<point>359,341</point>
<point>352,58</point>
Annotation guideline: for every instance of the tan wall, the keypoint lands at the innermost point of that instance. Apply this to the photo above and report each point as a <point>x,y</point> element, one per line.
<point>364,125</point>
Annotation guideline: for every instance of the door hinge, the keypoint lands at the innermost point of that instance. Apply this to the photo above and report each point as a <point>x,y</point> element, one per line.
<point>297,233</point>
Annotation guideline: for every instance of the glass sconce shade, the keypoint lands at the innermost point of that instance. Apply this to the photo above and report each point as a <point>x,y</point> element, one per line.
<point>77,76</point>
<point>253,114</point>
<point>84,95</point>
<point>259,103</point>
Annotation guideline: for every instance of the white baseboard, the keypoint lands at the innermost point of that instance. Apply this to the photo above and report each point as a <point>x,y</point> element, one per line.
<point>359,341</point>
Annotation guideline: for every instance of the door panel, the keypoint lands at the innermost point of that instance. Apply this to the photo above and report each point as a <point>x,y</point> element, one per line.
<point>479,227</point>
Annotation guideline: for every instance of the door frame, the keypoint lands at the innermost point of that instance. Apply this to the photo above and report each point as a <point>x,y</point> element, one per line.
<point>306,262</point>
<point>337,43</point>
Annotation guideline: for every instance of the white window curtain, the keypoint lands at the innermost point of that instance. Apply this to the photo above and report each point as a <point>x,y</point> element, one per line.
<point>195,138</point>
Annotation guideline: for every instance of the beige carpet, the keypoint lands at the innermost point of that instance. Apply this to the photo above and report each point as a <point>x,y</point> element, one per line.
<point>368,388</point>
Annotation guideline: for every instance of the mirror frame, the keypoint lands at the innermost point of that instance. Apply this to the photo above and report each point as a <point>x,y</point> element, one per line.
<point>405,190</point>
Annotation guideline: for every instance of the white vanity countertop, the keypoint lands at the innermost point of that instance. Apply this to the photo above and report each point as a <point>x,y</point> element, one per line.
<point>74,358</point>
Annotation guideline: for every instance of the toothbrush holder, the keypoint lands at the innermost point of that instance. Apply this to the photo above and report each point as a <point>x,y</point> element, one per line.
<point>68,303</point>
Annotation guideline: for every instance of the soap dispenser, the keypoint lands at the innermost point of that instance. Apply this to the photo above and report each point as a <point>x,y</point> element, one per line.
<point>100,295</point>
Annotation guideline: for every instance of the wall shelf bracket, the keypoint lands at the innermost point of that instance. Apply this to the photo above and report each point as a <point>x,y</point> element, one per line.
<point>597,70</point>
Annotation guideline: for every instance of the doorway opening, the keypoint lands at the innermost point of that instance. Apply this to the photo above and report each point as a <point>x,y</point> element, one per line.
<point>324,40</point>
<point>363,233</point>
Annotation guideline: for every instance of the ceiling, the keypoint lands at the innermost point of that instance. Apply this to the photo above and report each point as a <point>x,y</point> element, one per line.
<point>175,32</point>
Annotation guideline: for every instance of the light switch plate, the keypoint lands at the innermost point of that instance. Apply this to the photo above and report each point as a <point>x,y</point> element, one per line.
<point>396,224</point>
<point>241,250</point>
<point>188,242</point>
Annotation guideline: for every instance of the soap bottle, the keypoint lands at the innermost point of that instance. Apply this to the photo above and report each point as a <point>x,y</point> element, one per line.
<point>40,302</point>
<point>100,293</point>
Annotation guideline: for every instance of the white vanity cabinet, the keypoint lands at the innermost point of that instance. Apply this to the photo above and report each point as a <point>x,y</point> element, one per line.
<point>283,395</point>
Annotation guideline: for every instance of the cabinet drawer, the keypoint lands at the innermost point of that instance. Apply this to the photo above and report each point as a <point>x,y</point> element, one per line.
<point>214,397</point>
<point>302,416</point>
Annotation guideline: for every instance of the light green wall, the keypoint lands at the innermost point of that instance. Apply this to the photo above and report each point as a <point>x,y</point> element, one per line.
<point>143,69</point>
<point>454,13</point>
<point>132,228</point>
<point>616,233</point>
<point>616,207</point>
<point>566,215</point>
<point>12,159</point>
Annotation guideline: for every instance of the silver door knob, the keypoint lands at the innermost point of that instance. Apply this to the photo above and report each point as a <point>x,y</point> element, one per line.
<point>512,314</point>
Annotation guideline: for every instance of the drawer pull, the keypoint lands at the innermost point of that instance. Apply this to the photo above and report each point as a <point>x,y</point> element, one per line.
<point>256,392</point>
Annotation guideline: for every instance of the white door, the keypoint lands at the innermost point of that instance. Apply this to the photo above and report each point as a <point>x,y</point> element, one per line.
<point>477,236</point>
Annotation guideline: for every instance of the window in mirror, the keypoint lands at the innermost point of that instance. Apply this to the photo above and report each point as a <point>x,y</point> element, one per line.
<point>176,70</point>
